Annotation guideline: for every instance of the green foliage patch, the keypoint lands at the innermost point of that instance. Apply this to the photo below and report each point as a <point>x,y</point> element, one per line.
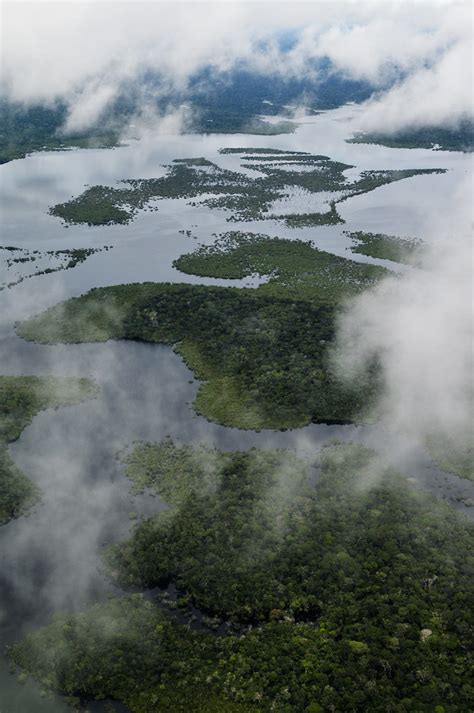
<point>454,454</point>
<point>21,397</point>
<point>359,590</point>
<point>386,247</point>
<point>25,129</point>
<point>460,138</point>
<point>265,357</point>
<point>295,268</point>
<point>65,259</point>
<point>245,197</point>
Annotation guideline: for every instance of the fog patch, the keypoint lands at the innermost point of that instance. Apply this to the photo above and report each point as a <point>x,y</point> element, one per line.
<point>419,327</point>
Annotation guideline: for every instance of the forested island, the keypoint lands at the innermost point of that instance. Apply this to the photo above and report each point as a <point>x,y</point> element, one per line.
<point>441,138</point>
<point>387,247</point>
<point>325,584</point>
<point>264,354</point>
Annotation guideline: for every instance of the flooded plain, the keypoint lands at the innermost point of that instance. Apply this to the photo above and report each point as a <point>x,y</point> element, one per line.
<point>49,560</point>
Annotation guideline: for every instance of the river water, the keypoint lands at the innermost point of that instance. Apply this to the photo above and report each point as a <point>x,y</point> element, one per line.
<point>49,560</point>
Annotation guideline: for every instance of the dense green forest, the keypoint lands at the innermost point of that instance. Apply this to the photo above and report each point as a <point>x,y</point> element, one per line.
<point>245,197</point>
<point>386,247</point>
<point>264,354</point>
<point>21,397</point>
<point>327,585</point>
<point>230,101</point>
<point>24,129</point>
<point>460,138</point>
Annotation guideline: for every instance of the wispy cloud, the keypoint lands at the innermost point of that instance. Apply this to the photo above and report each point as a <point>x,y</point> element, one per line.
<point>85,52</point>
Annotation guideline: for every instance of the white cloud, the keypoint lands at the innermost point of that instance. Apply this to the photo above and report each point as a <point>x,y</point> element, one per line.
<point>441,94</point>
<point>88,105</point>
<point>420,326</point>
<point>84,51</point>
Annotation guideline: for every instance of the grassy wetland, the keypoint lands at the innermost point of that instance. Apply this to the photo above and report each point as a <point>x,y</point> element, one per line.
<point>24,263</point>
<point>245,198</point>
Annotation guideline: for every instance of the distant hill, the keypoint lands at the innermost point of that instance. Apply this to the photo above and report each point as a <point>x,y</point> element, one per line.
<point>219,102</point>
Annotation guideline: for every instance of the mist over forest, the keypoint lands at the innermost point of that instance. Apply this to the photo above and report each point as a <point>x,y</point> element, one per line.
<point>236,357</point>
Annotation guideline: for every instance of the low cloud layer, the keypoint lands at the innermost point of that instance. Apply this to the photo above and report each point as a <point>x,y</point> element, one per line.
<point>85,52</point>
<point>420,327</point>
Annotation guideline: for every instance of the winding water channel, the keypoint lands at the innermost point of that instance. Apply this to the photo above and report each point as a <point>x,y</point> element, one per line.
<point>49,560</point>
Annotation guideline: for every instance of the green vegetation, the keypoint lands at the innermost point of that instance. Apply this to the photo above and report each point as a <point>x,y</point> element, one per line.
<point>454,454</point>
<point>129,650</point>
<point>62,260</point>
<point>359,591</point>
<point>38,128</point>
<point>425,137</point>
<point>264,354</point>
<point>303,220</point>
<point>386,247</point>
<point>96,206</point>
<point>245,197</point>
<point>229,510</point>
<point>230,101</point>
<point>295,268</point>
<point>17,493</point>
<point>249,150</point>
<point>21,397</point>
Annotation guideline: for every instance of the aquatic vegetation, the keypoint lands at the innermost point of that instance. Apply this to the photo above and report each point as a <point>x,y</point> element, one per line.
<point>386,247</point>
<point>361,595</point>
<point>21,397</point>
<point>303,220</point>
<point>245,197</point>
<point>242,150</point>
<point>45,262</point>
<point>295,268</point>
